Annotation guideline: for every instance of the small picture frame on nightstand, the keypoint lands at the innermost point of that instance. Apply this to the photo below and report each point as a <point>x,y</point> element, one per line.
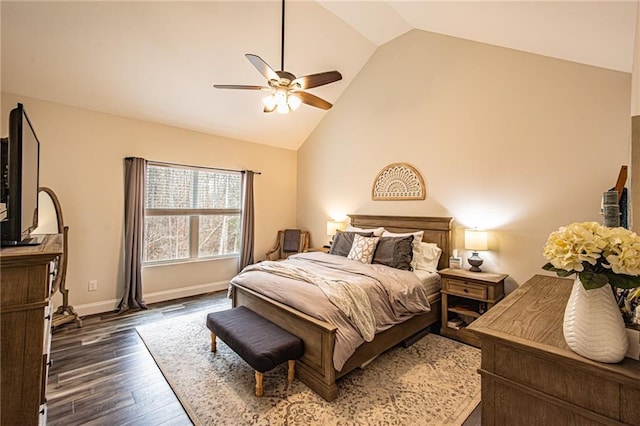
<point>455,262</point>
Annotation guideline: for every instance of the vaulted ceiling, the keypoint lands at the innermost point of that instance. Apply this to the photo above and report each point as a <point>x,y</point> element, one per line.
<point>158,61</point>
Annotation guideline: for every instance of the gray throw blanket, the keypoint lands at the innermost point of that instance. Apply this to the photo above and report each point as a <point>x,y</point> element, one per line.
<point>349,298</point>
<point>291,240</point>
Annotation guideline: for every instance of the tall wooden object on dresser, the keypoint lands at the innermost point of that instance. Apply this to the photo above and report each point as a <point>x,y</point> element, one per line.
<point>25,324</point>
<point>530,376</point>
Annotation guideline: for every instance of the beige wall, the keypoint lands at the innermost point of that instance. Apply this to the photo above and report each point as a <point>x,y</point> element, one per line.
<point>515,142</point>
<point>635,142</point>
<point>81,159</point>
<point>635,93</point>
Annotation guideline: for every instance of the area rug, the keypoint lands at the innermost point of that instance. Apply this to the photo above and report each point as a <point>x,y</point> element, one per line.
<point>433,382</point>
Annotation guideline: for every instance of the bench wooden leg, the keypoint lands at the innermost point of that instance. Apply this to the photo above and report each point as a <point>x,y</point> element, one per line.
<point>213,342</point>
<point>292,370</point>
<point>259,376</point>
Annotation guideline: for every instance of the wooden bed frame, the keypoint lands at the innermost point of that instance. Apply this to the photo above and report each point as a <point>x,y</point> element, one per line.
<point>315,368</point>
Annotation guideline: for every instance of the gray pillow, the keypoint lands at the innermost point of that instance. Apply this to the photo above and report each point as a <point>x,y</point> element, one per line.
<point>395,252</point>
<point>343,241</point>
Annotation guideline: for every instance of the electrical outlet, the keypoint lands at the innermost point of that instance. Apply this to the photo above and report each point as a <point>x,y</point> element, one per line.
<point>93,285</point>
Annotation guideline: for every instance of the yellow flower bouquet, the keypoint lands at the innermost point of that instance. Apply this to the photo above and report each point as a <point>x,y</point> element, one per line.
<point>597,254</point>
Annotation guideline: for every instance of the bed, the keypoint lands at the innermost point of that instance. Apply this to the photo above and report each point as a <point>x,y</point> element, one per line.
<point>316,367</point>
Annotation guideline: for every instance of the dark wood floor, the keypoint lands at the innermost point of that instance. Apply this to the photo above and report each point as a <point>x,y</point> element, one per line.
<point>103,374</point>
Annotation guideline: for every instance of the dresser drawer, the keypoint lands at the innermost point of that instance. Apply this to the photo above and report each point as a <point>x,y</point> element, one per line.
<point>466,289</point>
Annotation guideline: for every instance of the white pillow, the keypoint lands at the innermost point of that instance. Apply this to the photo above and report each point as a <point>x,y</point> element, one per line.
<point>417,239</point>
<point>377,232</point>
<point>363,248</point>
<point>429,257</point>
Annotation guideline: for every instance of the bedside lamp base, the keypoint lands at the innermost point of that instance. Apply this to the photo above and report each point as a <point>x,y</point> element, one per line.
<point>475,261</point>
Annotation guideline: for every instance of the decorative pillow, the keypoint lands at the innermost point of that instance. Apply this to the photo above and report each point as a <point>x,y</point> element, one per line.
<point>363,248</point>
<point>395,252</point>
<point>417,239</point>
<point>377,232</point>
<point>429,257</point>
<point>343,241</point>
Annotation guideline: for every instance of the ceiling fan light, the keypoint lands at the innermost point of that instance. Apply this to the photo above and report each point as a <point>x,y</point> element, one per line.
<point>281,100</point>
<point>282,108</point>
<point>269,102</point>
<point>280,97</point>
<point>294,102</point>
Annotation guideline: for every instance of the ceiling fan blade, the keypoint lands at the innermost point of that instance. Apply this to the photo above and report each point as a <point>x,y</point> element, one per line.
<point>262,67</point>
<point>313,100</point>
<point>239,86</point>
<point>315,80</point>
<point>267,109</point>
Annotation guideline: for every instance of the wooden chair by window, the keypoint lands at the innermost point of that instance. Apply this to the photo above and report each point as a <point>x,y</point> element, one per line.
<point>288,242</point>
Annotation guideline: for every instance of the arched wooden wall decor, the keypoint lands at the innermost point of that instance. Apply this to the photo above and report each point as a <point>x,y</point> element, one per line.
<point>398,181</point>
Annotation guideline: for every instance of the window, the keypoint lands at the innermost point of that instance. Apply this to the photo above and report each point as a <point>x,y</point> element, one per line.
<point>191,213</point>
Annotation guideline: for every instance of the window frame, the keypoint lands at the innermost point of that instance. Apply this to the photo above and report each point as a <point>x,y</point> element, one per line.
<point>193,216</point>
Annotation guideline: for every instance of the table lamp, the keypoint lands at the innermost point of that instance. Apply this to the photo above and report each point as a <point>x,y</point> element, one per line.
<point>476,240</point>
<point>332,227</point>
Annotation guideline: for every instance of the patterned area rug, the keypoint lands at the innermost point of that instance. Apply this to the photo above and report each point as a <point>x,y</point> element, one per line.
<point>433,382</point>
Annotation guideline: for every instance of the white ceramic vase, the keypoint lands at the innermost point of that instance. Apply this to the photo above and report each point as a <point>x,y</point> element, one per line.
<point>593,326</point>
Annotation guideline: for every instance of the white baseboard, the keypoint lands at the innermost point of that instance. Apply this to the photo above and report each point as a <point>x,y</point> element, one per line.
<point>158,296</point>
<point>96,307</point>
<point>161,296</point>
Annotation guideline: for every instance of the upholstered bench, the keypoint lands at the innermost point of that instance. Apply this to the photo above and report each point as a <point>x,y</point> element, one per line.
<point>261,343</point>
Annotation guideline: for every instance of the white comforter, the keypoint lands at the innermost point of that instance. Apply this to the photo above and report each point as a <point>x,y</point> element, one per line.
<point>394,295</point>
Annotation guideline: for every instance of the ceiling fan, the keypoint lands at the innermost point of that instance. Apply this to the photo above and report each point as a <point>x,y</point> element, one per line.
<point>287,90</point>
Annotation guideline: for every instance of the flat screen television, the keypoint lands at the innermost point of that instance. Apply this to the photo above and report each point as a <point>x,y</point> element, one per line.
<point>20,169</point>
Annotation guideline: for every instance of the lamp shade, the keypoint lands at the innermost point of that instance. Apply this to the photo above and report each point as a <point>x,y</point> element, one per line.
<point>475,239</point>
<point>333,226</point>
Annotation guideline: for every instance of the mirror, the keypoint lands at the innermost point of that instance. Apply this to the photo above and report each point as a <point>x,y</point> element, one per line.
<point>50,221</point>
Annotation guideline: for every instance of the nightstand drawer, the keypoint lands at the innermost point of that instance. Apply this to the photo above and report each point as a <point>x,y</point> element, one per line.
<point>466,289</point>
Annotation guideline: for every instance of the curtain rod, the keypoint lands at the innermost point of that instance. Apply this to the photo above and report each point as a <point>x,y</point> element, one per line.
<point>197,167</point>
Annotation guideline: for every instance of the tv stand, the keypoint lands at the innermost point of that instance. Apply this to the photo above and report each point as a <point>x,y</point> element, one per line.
<point>25,319</point>
<point>33,240</point>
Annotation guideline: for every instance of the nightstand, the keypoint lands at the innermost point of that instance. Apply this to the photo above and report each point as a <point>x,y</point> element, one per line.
<point>466,296</point>
<point>322,249</point>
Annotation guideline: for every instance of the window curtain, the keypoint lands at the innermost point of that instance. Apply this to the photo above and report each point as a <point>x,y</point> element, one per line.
<point>246,251</point>
<point>134,176</point>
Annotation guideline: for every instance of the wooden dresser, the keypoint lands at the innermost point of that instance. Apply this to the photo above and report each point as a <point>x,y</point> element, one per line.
<point>25,324</point>
<point>530,376</point>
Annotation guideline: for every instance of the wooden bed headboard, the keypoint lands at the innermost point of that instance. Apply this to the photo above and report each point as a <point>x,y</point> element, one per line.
<point>436,229</point>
